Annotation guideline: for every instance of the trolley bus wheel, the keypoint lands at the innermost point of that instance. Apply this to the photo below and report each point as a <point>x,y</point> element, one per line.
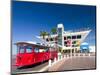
<point>18,67</point>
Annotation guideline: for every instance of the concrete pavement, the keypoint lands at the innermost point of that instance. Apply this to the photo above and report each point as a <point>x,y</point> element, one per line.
<point>74,63</point>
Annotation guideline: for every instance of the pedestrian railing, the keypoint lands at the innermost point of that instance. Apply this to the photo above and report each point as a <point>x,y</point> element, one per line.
<point>78,54</point>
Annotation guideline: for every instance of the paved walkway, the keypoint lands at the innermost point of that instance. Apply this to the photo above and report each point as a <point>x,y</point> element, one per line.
<point>74,63</point>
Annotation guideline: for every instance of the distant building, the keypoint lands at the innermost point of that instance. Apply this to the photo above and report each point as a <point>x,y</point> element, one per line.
<point>68,41</point>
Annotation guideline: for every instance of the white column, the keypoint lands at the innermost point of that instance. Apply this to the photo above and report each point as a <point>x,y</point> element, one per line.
<point>74,52</point>
<point>64,56</point>
<point>59,56</point>
<point>55,59</point>
<point>49,62</point>
<point>67,56</point>
<point>71,53</point>
<point>89,54</point>
<point>78,54</point>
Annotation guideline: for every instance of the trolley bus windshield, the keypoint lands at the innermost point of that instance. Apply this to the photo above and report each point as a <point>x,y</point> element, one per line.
<point>21,49</point>
<point>25,49</point>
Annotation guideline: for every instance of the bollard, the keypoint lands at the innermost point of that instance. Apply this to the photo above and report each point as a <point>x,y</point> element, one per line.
<point>54,60</point>
<point>74,54</point>
<point>61,57</point>
<point>64,56</point>
<point>83,54</point>
<point>67,56</point>
<point>78,54</point>
<point>89,54</point>
<point>49,62</point>
<point>58,57</point>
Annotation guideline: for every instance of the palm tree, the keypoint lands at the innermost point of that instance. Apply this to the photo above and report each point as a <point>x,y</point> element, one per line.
<point>43,34</point>
<point>53,30</point>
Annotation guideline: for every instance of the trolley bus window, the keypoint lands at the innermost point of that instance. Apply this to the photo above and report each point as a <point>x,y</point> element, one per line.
<point>47,49</point>
<point>22,50</point>
<point>36,50</point>
<point>28,49</point>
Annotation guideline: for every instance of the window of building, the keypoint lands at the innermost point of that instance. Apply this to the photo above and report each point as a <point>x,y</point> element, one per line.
<point>51,39</point>
<point>66,45</point>
<point>69,42</point>
<point>73,37</point>
<point>68,37</point>
<point>47,39</point>
<point>65,42</point>
<point>78,36</point>
<point>59,37</point>
<point>73,45</point>
<point>77,45</point>
<point>74,42</point>
<point>60,30</point>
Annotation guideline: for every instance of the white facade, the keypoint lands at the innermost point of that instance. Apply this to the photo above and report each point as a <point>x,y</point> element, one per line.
<point>68,40</point>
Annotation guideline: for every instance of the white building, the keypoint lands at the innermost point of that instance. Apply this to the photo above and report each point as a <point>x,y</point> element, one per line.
<point>67,40</point>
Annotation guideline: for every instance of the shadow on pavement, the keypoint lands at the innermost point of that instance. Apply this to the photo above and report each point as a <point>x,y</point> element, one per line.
<point>31,66</point>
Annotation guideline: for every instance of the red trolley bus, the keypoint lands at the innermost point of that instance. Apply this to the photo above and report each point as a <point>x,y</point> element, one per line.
<point>29,53</point>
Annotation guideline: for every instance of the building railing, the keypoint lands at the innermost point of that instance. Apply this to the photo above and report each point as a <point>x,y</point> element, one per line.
<point>77,30</point>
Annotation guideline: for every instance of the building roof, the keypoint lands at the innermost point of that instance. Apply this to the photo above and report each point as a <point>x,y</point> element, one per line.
<point>60,25</point>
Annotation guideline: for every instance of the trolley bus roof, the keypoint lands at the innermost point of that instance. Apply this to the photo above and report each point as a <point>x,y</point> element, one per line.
<point>32,44</point>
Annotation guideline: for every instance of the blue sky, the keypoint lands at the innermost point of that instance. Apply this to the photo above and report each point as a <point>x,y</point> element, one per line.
<point>29,18</point>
